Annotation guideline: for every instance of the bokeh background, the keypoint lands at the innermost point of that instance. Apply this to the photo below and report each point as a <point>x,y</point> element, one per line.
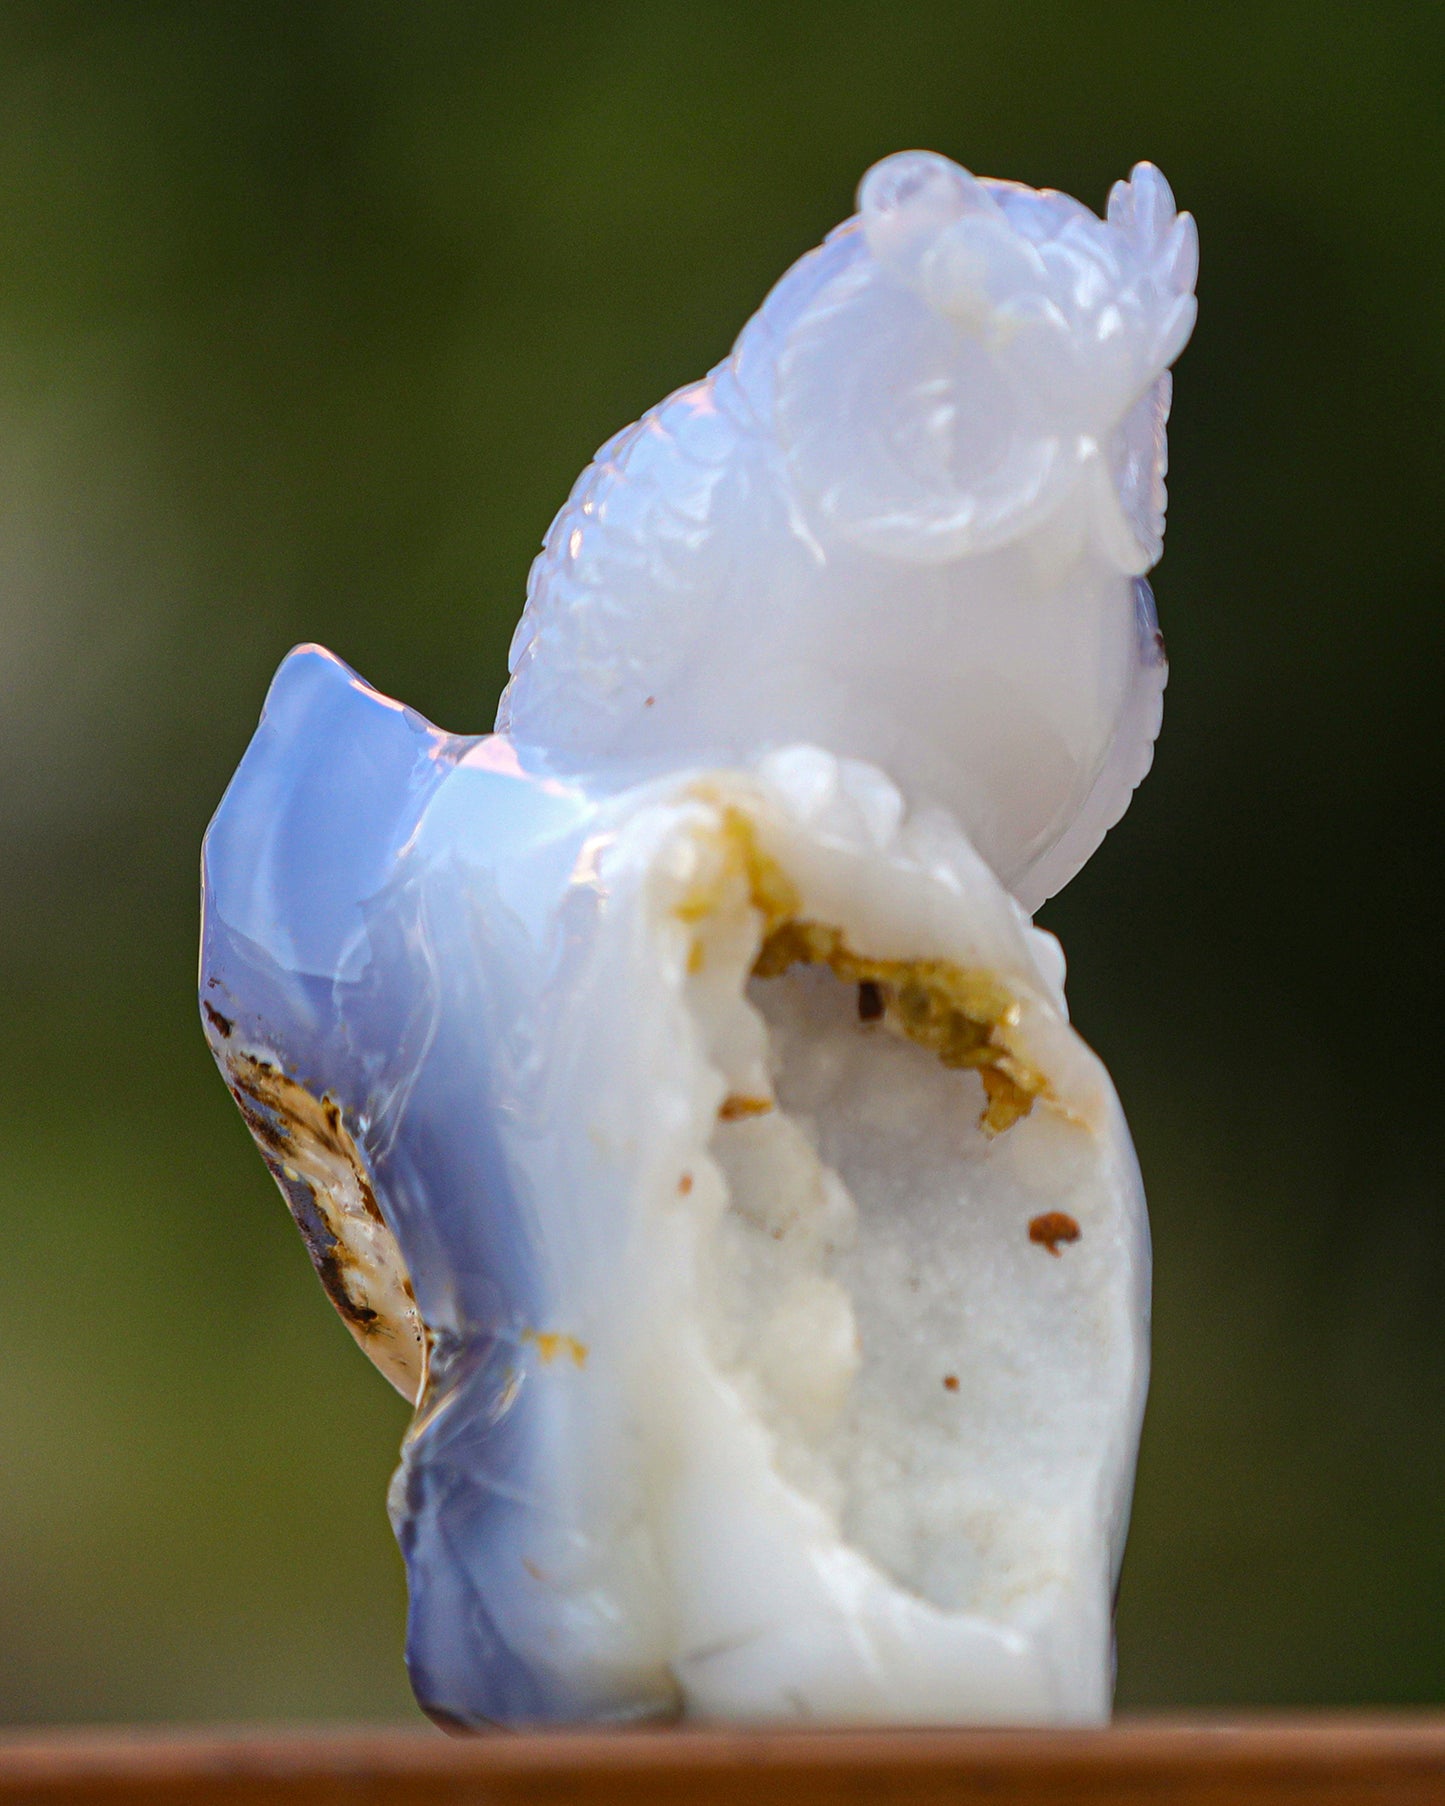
<point>309,315</point>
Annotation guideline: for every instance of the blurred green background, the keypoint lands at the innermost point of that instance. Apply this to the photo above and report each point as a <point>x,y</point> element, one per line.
<point>309,315</point>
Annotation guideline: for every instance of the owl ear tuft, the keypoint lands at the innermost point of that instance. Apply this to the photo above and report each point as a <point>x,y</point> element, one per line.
<point>1142,209</point>
<point>1165,243</point>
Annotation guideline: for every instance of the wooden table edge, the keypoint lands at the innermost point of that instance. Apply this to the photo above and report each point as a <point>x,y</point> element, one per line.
<point>1299,1757</point>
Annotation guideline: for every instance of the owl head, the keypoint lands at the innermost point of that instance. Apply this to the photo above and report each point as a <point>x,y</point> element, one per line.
<point>988,356</point>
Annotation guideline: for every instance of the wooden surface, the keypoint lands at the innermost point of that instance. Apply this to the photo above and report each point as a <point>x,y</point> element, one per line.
<point>1319,1760</point>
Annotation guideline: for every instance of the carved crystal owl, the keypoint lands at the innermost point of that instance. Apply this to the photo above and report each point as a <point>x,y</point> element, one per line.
<point>908,519</point>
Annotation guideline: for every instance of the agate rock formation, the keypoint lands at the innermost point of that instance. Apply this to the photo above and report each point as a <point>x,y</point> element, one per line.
<point>672,1090</point>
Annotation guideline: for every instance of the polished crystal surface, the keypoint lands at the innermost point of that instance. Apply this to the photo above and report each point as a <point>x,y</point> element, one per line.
<point>674,1095</point>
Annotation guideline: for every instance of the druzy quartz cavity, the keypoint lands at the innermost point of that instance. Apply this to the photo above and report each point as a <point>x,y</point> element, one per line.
<point>674,1095</point>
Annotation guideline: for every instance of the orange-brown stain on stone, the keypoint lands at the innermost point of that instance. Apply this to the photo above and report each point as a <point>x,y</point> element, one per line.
<point>551,1343</point>
<point>950,1382</point>
<point>223,1025</point>
<point>1053,1227</point>
<point>737,1108</point>
<point>324,1178</point>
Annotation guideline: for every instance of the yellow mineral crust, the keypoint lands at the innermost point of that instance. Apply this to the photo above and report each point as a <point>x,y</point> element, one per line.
<point>769,889</point>
<point>967,1016</point>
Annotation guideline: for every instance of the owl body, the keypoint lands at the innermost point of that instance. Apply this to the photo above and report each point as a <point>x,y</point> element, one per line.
<point>906,520</point>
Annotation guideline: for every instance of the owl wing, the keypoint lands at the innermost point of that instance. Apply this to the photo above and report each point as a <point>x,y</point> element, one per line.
<point>635,570</point>
<point>1124,769</point>
<point>628,577</point>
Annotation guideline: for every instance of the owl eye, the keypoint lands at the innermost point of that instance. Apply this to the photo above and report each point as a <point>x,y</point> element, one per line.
<point>907,431</point>
<point>907,200</point>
